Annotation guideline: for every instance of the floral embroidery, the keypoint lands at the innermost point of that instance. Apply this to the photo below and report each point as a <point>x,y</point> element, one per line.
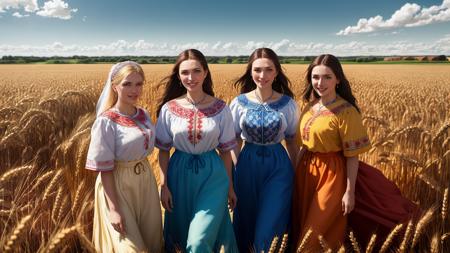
<point>129,122</point>
<point>195,117</point>
<point>99,165</point>
<point>307,128</point>
<point>227,145</point>
<point>356,144</point>
<point>162,145</point>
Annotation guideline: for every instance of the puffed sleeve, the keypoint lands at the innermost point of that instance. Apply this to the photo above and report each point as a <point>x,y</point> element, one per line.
<point>236,113</point>
<point>353,135</point>
<point>227,138</point>
<point>164,139</point>
<point>101,152</point>
<point>292,119</point>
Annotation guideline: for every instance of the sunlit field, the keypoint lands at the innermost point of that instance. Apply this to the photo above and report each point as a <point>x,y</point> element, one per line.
<point>46,111</point>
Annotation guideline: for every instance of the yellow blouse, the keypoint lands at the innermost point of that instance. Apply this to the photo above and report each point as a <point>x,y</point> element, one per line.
<point>336,127</point>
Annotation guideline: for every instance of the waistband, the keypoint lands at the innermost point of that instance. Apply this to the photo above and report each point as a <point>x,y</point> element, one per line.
<point>130,164</point>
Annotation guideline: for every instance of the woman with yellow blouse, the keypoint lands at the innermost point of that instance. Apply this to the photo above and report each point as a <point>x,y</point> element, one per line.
<point>332,137</point>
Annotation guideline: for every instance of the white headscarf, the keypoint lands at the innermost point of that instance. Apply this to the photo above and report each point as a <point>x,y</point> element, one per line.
<point>107,88</point>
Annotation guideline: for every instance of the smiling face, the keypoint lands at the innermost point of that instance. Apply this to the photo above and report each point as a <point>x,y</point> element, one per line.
<point>324,82</point>
<point>263,73</point>
<point>129,89</point>
<point>192,75</point>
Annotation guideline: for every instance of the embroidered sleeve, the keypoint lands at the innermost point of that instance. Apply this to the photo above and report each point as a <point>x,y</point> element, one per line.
<point>353,135</point>
<point>236,116</point>
<point>163,135</point>
<point>101,152</point>
<point>227,138</point>
<point>292,119</point>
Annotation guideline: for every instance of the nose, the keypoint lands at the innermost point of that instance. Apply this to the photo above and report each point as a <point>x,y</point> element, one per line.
<point>189,76</point>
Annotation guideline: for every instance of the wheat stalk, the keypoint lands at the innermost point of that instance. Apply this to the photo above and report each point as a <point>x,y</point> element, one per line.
<point>13,238</point>
<point>273,245</point>
<point>444,208</point>
<point>59,238</point>
<point>390,238</point>
<point>408,232</point>
<point>304,241</point>
<point>355,244</point>
<point>371,244</point>
<point>421,225</point>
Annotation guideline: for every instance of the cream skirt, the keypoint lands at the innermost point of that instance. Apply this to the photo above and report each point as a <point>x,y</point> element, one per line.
<point>138,200</point>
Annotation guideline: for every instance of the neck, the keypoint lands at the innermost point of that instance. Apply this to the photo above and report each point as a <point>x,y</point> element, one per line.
<point>126,109</point>
<point>196,96</point>
<point>328,99</point>
<point>264,94</point>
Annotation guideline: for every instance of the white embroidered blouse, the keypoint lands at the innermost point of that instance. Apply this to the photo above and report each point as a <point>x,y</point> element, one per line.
<point>195,131</point>
<point>119,137</point>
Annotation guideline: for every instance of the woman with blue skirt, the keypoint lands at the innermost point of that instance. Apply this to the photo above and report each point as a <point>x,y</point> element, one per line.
<point>195,181</point>
<point>264,115</point>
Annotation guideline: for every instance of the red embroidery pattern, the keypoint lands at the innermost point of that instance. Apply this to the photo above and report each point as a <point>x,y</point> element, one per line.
<point>162,145</point>
<point>356,144</point>
<point>195,133</point>
<point>227,145</point>
<point>128,122</point>
<point>99,165</point>
<point>307,128</point>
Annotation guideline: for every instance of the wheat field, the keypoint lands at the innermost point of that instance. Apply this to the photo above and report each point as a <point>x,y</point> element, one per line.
<point>46,111</point>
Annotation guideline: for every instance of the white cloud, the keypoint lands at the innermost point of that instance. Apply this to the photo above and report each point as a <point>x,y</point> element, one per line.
<point>409,15</point>
<point>27,5</point>
<point>18,15</point>
<point>283,47</point>
<point>56,9</point>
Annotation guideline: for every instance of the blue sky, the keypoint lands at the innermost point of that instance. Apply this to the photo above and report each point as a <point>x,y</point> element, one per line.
<point>166,27</point>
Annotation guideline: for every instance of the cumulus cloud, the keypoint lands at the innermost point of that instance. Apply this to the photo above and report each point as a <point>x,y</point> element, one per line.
<point>52,9</point>
<point>56,9</point>
<point>18,15</point>
<point>27,5</point>
<point>282,47</point>
<point>409,15</point>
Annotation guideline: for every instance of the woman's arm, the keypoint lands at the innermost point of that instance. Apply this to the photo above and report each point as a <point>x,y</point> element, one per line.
<point>166,196</point>
<point>292,149</point>
<point>227,161</point>
<point>236,151</point>
<point>115,214</point>
<point>348,200</point>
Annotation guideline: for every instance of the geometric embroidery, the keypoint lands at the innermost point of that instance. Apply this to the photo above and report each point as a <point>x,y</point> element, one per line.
<point>128,122</point>
<point>195,117</point>
<point>307,128</point>
<point>262,122</point>
<point>356,144</point>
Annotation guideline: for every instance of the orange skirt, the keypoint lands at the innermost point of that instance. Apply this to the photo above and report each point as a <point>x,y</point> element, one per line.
<point>320,183</point>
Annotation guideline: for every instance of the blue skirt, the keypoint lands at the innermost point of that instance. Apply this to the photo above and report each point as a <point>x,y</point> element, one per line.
<point>263,181</point>
<point>199,221</point>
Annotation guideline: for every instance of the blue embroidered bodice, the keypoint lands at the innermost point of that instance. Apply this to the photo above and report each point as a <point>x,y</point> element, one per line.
<point>262,122</point>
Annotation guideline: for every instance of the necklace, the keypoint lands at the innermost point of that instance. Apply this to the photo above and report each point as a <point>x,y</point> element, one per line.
<point>326,104</point>
<point>260,99</point>
<point>192,102</point>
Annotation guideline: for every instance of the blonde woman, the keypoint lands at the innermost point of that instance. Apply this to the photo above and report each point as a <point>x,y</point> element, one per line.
<point>127,214</point>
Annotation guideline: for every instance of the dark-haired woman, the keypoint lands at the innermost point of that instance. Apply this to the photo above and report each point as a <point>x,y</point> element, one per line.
<point>195,181</point>
<point>264,115</point>
<point>332,137</point>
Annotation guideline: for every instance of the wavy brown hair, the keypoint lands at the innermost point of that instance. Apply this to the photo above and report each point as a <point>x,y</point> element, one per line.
<point>281,83</point>
<point>172,83</point>
<point>343,88</point>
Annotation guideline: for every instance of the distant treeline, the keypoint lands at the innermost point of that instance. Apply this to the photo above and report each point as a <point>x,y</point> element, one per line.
<point>77,59</point>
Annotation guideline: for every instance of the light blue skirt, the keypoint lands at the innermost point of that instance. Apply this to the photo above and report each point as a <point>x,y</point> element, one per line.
<point>199,221</point>
<point>263,181</point>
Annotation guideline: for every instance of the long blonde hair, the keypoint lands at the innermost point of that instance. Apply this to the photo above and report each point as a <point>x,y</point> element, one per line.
<point>118,72</point>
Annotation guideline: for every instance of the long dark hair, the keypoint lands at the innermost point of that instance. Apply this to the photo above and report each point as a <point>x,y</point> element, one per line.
<point>281,83</point>
<point>343,88</point>
<point>173,87</point>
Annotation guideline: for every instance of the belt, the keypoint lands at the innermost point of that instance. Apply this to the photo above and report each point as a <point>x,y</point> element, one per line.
<point>137,165</point>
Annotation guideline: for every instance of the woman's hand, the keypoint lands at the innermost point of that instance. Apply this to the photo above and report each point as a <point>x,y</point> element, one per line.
<point>117,221</point>
<point>166,198</point>
<point>232,199</point>
<point>348,202</point>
